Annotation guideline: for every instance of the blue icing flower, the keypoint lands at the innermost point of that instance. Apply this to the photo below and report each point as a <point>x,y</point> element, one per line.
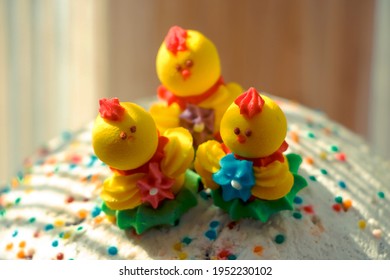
<point>235,177</point>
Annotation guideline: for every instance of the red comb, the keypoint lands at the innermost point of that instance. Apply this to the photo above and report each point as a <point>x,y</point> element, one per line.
<point>176,39</point>
<point>250,103</point>
<point>110,109</point>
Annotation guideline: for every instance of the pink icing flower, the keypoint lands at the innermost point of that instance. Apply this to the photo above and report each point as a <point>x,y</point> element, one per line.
<point>155,187</point>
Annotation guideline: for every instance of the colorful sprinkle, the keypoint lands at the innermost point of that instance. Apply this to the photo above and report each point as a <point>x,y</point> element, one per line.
<point>211,234</point>
<point>177,246</point>
<point>98,220</point>
<point>309,160</point>
<point>294,136</point>
<point>298,200</point>
<point>72,166</point>
<point>30,253</point>
<point>381,195</point>
<point>15,233</point>
<point>65,235</point>
<point>66,135</point>
<point>60,256</point>
<point>69,199</point>
<point>311,135</point>
<point>338,199</point>
<point>336,207</point>
<point>323,155</point>
<point>341,156</point>
<point>112,250</point>
<point>21,254</point>
<point>82,214</point>
<point>223,254</point>
<point>22,244</point>
<point>279,239</point>
<point>347,204</point>
<point>232,225</point>
<point>258,250</point>
<point>232,257</point>
<point>214,224</point>
<point>308,209</point>
<point>313,178</point>
<point>362,224</point>
<point>32,220</point>
<point>17,201</point>
<point>324,171</point>
<point>186,240</point>
<point>49,227</point>
<point>92,161</point>
<point>183,255</point>
<point>334,148</point>
<point>9,246</point>
<point>96,212</point>
<point>377,233</point>
<point>342,184</point>
<point>54,243</point>
<point>297,215</point>
<point>59,223</point>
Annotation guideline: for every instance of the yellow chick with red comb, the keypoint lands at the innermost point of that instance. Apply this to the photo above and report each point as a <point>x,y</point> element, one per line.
<point>193,92</point>
<point>150,171</point>
<point>248,173</point>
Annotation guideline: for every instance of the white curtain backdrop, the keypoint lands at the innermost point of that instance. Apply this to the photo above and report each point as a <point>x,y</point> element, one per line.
<point>380,102</point>
<point>52,71</point>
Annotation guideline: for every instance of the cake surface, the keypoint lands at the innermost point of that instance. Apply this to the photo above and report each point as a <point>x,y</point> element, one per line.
<point>52,209</point>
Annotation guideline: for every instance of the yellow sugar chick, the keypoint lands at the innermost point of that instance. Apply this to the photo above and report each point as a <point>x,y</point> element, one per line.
<point>253,126</point>
<point>187,62</point>
<point>124,135</point>
<point>188,67</point>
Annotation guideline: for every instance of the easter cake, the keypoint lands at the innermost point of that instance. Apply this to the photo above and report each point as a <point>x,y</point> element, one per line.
<point>258,177</point>
<point>53,209</point>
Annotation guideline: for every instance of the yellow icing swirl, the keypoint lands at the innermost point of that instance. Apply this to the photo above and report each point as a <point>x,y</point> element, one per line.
<point>273,181</point>
<point>207,160</point>
<point>178,155</point>
<point>121,192</point>
<point>165,116</point>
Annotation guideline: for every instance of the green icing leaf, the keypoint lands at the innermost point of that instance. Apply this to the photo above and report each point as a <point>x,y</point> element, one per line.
<point>108,211</point>
<point>294,161</point>
<point>144,217</point>
<point>262,209</point>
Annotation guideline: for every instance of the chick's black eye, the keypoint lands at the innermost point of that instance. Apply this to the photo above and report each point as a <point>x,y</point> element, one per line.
<point>236,131</point>
<point>133,129</point>
<point>123,135</point>
<point>248,133</point>
<point>189,63</point>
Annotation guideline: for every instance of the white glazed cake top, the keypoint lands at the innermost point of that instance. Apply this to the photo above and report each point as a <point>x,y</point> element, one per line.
<point>51,210</point>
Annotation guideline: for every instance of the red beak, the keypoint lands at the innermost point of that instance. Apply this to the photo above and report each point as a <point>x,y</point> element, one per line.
<point>241,139</point>
<point>185,74</point>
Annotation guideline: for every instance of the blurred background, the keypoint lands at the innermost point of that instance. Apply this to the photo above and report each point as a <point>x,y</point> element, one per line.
<point>58,57</point>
